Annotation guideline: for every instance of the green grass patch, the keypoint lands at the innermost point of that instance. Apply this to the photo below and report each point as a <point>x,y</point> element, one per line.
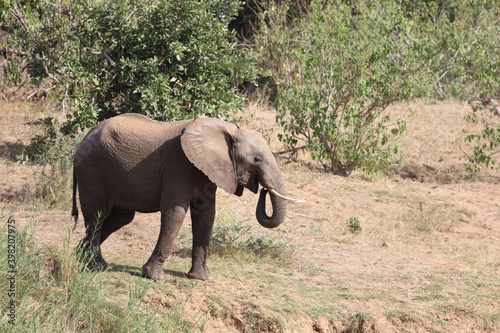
<point>354,225</point>
<point>53,292</point>
<point>236,239</point>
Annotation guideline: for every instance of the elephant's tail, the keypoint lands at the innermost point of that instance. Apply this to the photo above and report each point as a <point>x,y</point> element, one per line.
<point>74,212</point>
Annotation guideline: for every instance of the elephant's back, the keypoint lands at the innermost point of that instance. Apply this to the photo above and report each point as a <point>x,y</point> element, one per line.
<point>129,139</point>
<point>138,127</point>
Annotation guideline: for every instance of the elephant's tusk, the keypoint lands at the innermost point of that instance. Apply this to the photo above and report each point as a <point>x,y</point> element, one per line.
<point>283,197</point>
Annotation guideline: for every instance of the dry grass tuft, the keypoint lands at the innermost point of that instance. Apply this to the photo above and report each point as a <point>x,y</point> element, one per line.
<point>437,217</point>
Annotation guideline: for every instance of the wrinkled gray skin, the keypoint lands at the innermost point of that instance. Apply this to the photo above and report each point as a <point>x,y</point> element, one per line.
<point>131,163</point>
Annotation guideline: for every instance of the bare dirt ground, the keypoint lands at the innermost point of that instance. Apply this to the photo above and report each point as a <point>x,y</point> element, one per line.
<point>427,258</point>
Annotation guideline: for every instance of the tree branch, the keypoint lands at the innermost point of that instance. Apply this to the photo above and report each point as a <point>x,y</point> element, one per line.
<point>103,54</point>
<point>292,150</point>
<point>38,90</point>
<point>5,52</point>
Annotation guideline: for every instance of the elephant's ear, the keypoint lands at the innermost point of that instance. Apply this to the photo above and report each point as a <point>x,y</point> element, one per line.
<point>208,144</point>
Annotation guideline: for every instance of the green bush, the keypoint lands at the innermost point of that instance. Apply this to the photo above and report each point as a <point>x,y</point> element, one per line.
<point>168,60</point>
<point>53,149</point>
<point>459,46</point>
<point>338,71</point>
<point>339,64</point>
<point>354,225</point>
<point>484,138</point>
<point>234,238</point>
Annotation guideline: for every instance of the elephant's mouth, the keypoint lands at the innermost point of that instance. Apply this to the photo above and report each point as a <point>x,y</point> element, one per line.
<point>251,182</point>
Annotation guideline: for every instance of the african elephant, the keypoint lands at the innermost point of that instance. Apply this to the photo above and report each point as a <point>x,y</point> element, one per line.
<point>131,163</point>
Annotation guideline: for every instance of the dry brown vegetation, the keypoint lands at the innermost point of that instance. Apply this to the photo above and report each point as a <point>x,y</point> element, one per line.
<point>427,257</point>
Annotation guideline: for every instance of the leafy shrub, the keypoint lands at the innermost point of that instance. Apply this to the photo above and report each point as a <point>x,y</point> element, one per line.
<point>231,237</point>
<point>460,39</point>
<point>54,151</point>
<point>338,72</point>
<point>166,59</point>
<point>354,225</point>
<point>339,64</point>
<point>485,141</point>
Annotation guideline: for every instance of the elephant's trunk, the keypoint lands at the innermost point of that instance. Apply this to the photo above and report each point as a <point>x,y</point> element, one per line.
<point>279,210</point>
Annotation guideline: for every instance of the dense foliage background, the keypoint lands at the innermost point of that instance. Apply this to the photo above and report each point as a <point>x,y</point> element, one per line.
<point>339,64</point>
<point>334,65</point>
<point>165,59</point>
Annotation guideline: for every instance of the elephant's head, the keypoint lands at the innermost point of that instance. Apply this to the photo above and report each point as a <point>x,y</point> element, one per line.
<point>234,158</point>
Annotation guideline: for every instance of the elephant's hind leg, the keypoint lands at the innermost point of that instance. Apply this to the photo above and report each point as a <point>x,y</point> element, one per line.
<point>90,246</point>
<point>115,221</point>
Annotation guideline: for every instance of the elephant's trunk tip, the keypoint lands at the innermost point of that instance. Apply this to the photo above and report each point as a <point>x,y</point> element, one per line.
<point>279,210</point>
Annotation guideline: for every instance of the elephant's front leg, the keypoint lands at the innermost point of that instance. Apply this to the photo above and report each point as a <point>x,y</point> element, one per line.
<point>171,221</point>
<point>202,216</point>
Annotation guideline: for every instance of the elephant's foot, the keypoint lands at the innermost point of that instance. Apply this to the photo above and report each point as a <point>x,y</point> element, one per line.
<point>153,272</point>
<point>97,264</point>
<point>201,273</point>
<point>91,256</point>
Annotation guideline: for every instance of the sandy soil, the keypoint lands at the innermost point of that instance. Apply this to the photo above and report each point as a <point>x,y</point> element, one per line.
<point>428,235</point>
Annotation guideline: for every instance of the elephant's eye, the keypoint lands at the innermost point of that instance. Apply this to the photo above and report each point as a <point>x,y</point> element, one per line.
<point>257,160</point>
